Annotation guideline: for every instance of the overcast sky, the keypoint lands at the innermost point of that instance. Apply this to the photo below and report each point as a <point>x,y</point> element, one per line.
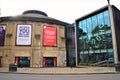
<point>64,10</point>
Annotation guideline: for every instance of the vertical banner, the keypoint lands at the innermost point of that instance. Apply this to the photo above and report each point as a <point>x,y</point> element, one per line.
<point>16,60</point>
<point>50,36</point>
<point>2,35</point>
<point>55,61</point>
<point>73,39</point>
<point>44,62</point>
<point>23,35</point>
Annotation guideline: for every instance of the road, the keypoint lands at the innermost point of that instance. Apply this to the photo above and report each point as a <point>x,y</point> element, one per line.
<point>5,76</point>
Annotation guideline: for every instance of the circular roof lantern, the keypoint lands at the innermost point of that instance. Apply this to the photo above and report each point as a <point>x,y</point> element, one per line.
<point>35,12</point>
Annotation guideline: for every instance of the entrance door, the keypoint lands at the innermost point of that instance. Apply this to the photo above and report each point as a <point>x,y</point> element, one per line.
<point>49,62</point>
<point>22,61</point>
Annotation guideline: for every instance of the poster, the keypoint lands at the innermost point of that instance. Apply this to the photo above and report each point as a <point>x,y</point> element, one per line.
<point>23,35</point>
<point>73,39</point>
<point>50,36</point>
<point>2,35</point>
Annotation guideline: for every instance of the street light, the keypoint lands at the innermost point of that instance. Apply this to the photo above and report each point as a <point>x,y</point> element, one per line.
<point>108,1</point>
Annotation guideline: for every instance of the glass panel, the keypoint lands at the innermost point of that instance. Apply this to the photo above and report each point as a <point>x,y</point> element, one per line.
<point>106,18</point>
<point>80,25</point>
<point>84,26</point>
<point>81,44</point>
<point>89,25</point>
<point>100,18</point>
<point>94,22</point>
<point>96,40</point>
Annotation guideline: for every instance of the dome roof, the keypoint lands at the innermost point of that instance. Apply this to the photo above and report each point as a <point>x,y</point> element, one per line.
<point>35,12</point>
<point>35,16</point>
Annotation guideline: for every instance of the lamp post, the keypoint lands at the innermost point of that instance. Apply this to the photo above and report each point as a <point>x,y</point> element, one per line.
<point>108,1</point>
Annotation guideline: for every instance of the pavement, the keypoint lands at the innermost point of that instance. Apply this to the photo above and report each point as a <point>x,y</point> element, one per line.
<point>62,70</point>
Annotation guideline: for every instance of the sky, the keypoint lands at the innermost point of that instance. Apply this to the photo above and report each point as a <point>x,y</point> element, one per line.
<point>63,10</point>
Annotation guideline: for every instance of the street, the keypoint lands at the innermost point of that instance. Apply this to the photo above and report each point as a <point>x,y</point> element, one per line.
<point>7,76</point>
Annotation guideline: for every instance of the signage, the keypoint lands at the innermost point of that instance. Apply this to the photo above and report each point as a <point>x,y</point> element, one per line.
<point>23,35</point>
<point>100,36</point>
<point>50,36</point>
<point>2,35</point>
<point>73,39</point>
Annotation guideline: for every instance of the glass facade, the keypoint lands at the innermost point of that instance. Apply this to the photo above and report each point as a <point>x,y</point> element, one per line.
<point>95,39</point>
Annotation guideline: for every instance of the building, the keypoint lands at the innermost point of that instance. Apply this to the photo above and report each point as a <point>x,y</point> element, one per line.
<point>97,37</point>
<point>33,39</point>
<point>70,41</point>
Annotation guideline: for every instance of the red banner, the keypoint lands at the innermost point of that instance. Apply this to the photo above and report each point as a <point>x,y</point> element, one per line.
<point>44,62</point>
<point>16,60</point>
<point>73,39</point>
<point>50,36</point>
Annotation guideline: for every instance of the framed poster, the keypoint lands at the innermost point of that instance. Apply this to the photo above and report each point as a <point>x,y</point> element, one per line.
<point>23,35</point>
<point>2,35</point>
<point>49,36</point>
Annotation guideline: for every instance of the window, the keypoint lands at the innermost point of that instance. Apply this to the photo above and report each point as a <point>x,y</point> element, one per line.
<point>106,18</point>
<point>95,40</point>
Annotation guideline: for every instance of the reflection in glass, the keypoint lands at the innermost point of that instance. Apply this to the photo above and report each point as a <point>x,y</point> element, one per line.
<point>100,18</point>
<point>89,25</point>
<point>94,21</point>
<point>106,18</point>
<point>84,26</point>
<point>95,40</point>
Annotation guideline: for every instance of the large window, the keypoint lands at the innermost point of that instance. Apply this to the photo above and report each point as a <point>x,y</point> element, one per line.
<point>95,40</point>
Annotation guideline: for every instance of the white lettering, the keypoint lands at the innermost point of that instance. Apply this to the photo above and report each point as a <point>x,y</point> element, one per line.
<point>101,31</point>
<point>93,41</point>
<point>101,26</point>
<point>49,32</point>
<point>98,38</point>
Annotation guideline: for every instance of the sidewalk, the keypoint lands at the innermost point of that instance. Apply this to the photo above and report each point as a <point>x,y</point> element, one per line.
<point>66,70</point>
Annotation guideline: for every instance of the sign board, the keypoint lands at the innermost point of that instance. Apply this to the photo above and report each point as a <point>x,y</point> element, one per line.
<point>23,35</point>
<point>2,35</point>
<point>49,36</point>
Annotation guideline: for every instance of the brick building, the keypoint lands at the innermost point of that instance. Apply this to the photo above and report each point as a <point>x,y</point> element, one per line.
<point>33,38</point>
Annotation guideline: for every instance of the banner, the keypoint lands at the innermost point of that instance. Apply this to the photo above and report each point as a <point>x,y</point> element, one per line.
<point>73,39</point>
<point>50,36</point>
<point>23,35</point>
<point>2,35</point>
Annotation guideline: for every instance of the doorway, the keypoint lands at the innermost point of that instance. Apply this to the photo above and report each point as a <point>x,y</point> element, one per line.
<point>22,61</point>
<point>49,61</point>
